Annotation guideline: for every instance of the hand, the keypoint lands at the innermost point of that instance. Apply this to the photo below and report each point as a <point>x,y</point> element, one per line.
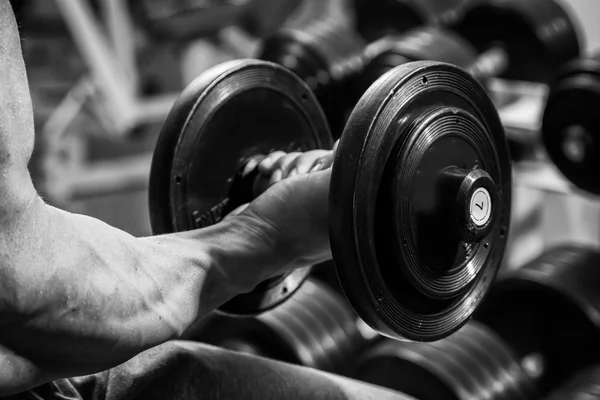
<point>293,210</point>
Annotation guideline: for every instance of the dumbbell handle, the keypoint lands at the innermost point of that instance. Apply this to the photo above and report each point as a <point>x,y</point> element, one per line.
<point>489,64</point>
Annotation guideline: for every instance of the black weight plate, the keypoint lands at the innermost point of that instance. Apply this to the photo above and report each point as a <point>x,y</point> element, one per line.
<point>538,35</point>
<point>473,363</point>
<point>229,113</point>
<point>408,274</point>
<point>551,307</point>
<point>571,123</point>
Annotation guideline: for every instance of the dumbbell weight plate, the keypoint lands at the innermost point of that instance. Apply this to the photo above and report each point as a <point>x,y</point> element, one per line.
<point>231,112</point>
<point>571,123</point>
<point>550,307</point>
<point>402,256</point>
<point>538,35</point>
<point>473,363</point>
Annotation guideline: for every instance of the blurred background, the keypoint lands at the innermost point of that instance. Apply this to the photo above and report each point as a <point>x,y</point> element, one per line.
<point>103,74</point>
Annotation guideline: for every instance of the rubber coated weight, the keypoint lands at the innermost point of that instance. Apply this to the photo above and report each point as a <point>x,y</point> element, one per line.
<point>420,201</point>
<point>315,328</point>
<point>571,123</point>
<point>231,112</point>
<point>538,35</point>
<point>550,307</point>
<point>473,363</point>
<point>584,386</point>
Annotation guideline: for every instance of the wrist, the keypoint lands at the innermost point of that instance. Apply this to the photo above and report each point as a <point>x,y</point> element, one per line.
<point>233,256</point>
<point>250,250</point>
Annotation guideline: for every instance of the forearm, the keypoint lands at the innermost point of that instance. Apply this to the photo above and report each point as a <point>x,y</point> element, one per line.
<point>78,296</point>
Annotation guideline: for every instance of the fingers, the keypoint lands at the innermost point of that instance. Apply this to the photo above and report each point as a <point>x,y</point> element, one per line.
<point>279,165</point>
<point>284,166</point>
<point>266,166</point>
<point>306,161</point>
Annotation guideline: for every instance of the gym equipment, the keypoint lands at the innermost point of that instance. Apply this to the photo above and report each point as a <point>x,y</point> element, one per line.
<point>518,40</point>
<point>422,165</point>
<point>473,363</point>
<point>571,124</point>
<point>584,386</point>
<point>339,67</point>
<point>315,328</point>
<point>229,113</point>
<point>550,307</point>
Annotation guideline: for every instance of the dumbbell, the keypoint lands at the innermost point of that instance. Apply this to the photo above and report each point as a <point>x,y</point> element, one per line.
<point>517,39</point>
<point>550,308</point>
<point>328,54</point>
<point>419,197</point>
<point>338,66</point>
<point>473,363</point>
<point>571,124</point>
<point>316,328</point>
<point>584,386</point>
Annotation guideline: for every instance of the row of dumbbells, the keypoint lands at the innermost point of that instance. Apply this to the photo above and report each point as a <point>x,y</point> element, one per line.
<point>536,336</point>
<point>531,40</point>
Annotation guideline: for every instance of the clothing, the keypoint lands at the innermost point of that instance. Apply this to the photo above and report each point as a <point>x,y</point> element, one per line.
<point>188,370</point>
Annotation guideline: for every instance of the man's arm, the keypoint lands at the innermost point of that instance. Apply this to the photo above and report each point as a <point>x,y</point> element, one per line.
<point>78,296</point>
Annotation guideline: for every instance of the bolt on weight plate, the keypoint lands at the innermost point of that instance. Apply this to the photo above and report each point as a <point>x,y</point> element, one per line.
<point>411,251</point>
<point>473,363</point>
<point>229,113</point>
<point>550,307</point>
<point>571,123</point>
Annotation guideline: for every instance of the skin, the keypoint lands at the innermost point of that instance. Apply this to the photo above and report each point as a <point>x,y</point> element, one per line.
<point>78,296</point>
